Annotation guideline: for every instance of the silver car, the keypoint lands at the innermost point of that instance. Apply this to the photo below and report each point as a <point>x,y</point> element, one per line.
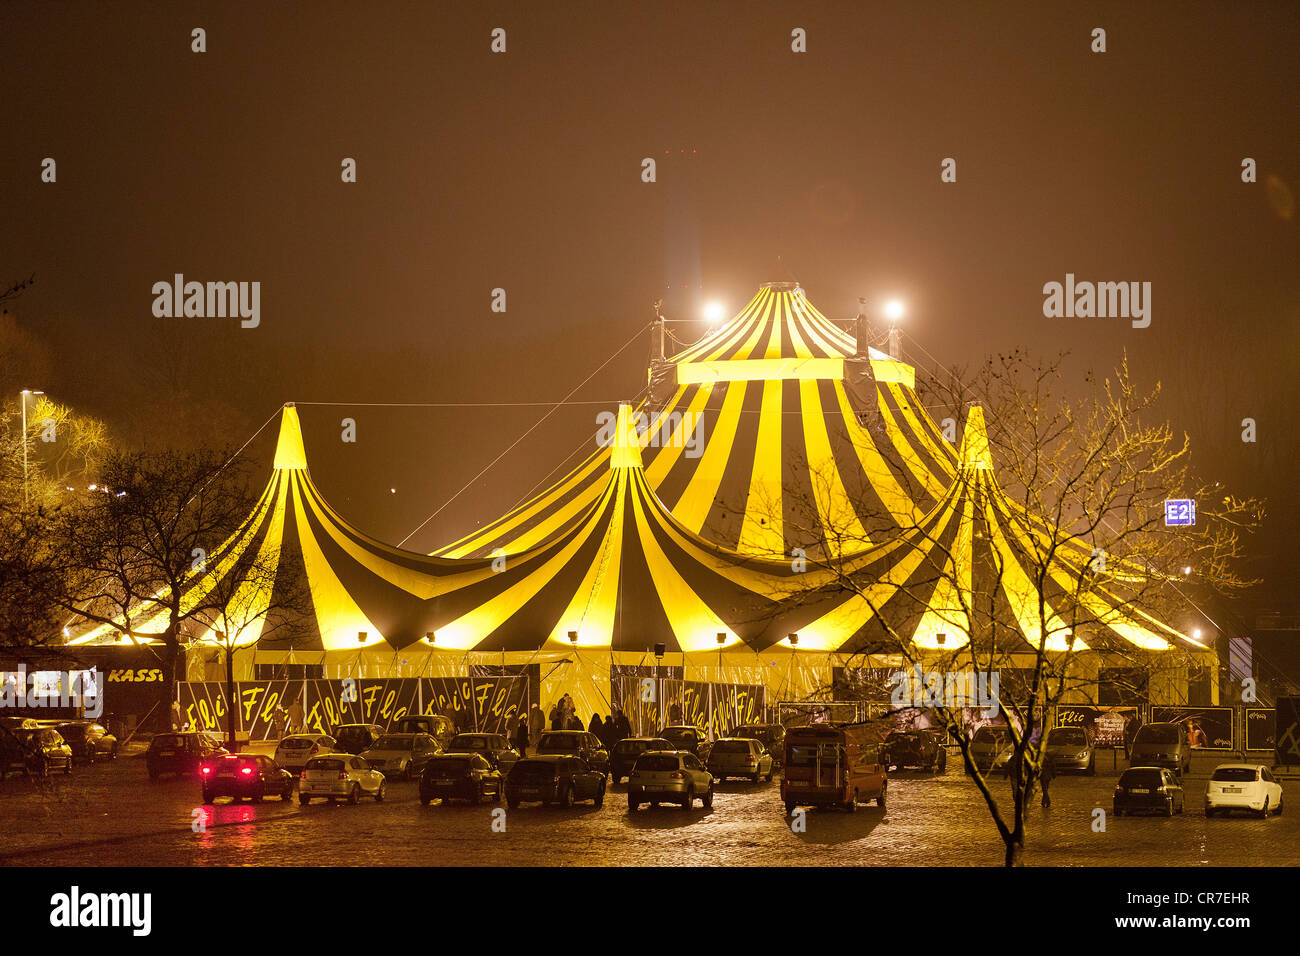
<point>991,749</point>
<point>668,776</point>
<point>740,757</point>
<point>340,775</point>
<point>293,752</point>
<point>1068,748</point>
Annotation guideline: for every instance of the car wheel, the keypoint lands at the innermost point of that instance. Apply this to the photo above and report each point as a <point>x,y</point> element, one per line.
<point>1169,807</point>
<point>770,774</point>
<point>689,799</point>
<point>707,800</point>
<point>852,804</point>
<point>614,778</point>
<point>512,802</point>
<point>67,767</point>
<point>496,794</point>
<point>633,804</point>
<point>286,793</point>
<point>425,799</point>
<point>566,797</point>
<point>303,799</point>
<point>1278,811</point>
<point>381,792</point>
<point>654,804</point>
<point>789,809</point>
<point>1263,811</point>
<point>599,798</point>
<point>112,754</point>
<point>880,800</point>
<point>207,797</point>
<point>354,794</point>
<point>1092,766</point>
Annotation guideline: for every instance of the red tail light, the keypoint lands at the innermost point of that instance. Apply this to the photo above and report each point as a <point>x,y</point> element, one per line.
<point>303,775</point>
<point>246,771</point>
<point>343,775</point>
<point>679,775</point>
<point>753,761</point>
<point>205,770</point>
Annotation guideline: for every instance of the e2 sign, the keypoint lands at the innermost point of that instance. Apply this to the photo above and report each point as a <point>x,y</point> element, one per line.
<point>1180,512</point>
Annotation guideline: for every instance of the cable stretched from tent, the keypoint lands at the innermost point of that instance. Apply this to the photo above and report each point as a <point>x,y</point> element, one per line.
<point>530,430</point>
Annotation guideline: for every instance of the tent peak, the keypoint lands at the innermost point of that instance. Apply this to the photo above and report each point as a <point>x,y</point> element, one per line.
<point>975,441</point>
<point>290,454</point>
<point>627,447</point>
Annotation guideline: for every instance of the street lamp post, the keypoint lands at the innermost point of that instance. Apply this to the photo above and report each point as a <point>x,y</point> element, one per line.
<point>23,401</point>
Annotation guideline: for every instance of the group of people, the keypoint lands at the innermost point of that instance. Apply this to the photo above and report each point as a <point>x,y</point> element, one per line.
<point>524,731</point>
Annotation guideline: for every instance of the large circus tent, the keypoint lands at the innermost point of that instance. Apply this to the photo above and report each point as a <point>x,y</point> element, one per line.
<point>649,560</point>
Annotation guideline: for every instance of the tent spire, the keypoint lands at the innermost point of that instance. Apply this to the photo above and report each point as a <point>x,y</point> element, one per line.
<point>975,441</point>
<point>627,447</point>
<point>289,451</point>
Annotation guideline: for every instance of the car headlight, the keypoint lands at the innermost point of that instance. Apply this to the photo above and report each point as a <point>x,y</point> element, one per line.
<point>1081,755</point>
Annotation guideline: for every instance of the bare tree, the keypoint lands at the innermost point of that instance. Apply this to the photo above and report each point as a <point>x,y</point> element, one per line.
<point>1047,563</point>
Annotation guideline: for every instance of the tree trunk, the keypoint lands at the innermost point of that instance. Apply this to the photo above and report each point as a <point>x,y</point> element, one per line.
<point>1015,851</point>
<point>231,714</point>
<point>171,654</point>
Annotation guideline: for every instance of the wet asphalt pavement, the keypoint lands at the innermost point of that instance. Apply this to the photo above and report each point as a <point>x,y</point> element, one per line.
<point>111,814</point>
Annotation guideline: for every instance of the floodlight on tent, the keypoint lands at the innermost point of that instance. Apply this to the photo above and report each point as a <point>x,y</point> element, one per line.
<point>573,637</point>
<point>714,312</point>
<point>431,636</point>
<point>659,649</point>
<point>793,639</point>
<point>1196,633</point>
<point>894,310</point>
<point>361,637</point>
<point>722,638</point>
<point>940,639</point>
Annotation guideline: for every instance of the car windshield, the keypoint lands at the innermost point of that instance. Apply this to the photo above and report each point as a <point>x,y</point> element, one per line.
<point>1141,777</point>
<point>1067,735</point>
<point>1157,734</point>
<point>446,765</point>
<point>558,741</point>
<point>765,734</point>
<point>326,764</point>
<point>297,743</point>
<point>393,742</point>
<point>1234,774</point>
<point>541,768</point>
<point>469,742</point>
<point>656,762</point>
<point>678,736</point>
<point>989,735</point>
<point>635,746</point>
<point>72,731</point>
<point>167,740</point>
<point>731,747</point>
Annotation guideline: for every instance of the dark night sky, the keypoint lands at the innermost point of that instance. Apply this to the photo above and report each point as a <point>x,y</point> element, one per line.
<point>522,171</point>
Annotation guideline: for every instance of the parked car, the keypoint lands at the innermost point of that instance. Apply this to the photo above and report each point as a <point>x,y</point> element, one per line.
<point>992,748</point>
<point>829,765</point>
<point>1069,748</point>
<point>580,743</point>
<point>401,755</point>
<point>460,776</point>
<point>354,738</point>
<point>13,755</point>
<point>89,741</point>
<point>684,737</point>
<point>554,778</point>
<point>494,748</point>
<point>180,753</point>
<point>740,757</point>
<point>923,749</point>
<point>772,736</point>
<point>44,750</point>
<point>623,756</point>
<point>251,776</point>
<point>340,775</point>
<point>293,752</point>
<point>1242,786</point>
<point>1148,788</point>
<point>1162,745</point>
<point>18,723</point>
<point>669,776</point>
<point>437,726</point>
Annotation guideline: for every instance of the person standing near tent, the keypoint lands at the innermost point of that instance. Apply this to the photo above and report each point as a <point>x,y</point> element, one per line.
<point>522,737</point>
<point>536,724</point>
<point>512,727</point>
<point>622,726</point>
<point>295,717</point>
<point>177,717</point>
<point>597,726</point>
<point>557,716</point>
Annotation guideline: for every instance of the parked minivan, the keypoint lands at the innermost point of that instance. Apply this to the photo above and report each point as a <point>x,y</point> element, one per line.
<point>1162,745</point>
<point>827,765</point>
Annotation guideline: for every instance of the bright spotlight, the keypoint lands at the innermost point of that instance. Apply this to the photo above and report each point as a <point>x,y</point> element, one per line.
<point>894,310</point>
<point>714,311</point>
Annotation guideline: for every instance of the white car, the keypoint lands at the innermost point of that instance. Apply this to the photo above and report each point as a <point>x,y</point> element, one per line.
<point>293,752</point>
<point>1242,786</point>
<point>340,775</point>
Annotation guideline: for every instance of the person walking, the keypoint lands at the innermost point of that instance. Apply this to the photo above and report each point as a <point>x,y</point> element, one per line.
<point>622,726</point>
<point>1045,780</point>
<point>295,717</point>
<point>536,724</point>
<point>557,715</point>
<point>597,725</point>
<point>521,737</point>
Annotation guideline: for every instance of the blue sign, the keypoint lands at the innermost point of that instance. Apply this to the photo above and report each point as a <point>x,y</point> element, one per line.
<point>1180,512</point>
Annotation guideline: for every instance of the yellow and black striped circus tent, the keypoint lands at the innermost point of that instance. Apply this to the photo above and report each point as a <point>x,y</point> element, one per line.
<point>777,431</point>
<point>969,571</point>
